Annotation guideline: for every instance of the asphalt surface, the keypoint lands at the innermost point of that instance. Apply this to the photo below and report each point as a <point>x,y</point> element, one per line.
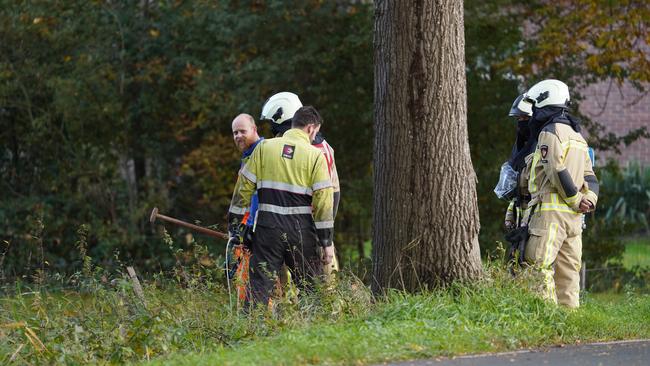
<point>628,353</point>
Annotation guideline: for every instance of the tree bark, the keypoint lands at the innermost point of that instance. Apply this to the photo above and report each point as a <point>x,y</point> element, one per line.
<point>426,220</point>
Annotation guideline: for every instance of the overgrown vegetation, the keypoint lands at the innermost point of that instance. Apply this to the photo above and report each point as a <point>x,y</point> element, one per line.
<point>628,197</point>
<point>108,108</point>
<point>445,323</point>
<point>98,315</point>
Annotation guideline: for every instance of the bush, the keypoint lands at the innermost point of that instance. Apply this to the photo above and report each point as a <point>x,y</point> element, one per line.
<point>627,198</point>
<point>623,209</point>
<point>619,279</point>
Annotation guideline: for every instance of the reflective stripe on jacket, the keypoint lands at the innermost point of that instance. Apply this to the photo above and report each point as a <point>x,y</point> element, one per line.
<point>293,184</point>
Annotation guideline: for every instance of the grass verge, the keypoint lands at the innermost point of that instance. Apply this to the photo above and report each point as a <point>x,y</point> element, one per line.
<point>441,323</point>
<point>191,322</point>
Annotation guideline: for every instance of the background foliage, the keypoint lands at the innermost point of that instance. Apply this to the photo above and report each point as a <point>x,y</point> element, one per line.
<point>111,108</point>
<point>108,109</point>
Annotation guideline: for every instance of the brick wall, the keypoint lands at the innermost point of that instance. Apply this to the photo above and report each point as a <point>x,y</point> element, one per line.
<point>619,110</point>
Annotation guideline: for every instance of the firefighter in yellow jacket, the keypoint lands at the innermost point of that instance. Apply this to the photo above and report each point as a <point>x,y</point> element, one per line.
<point>294,224</point>
<point>563,187</point>
<point>278,110</point>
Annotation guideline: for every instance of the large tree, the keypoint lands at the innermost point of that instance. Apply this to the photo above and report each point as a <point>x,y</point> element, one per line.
<point>426,221</point>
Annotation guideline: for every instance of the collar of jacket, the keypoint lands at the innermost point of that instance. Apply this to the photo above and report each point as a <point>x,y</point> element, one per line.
<point>251,148</point>
<point>297,134</point>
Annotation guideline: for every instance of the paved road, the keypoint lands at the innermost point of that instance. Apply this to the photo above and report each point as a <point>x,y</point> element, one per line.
<point>624,353</point>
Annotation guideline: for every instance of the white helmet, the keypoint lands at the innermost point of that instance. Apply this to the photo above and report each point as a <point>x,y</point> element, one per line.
<point>280,107</point>
<point>548,92</point>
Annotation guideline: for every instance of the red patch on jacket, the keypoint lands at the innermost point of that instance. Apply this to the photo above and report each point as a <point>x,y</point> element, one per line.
<point>544,151</point>
<point>287,151</point>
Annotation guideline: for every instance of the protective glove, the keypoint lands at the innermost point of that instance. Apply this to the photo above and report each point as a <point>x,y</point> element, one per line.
<point>327,254</point>
<point>234,232</point>
<point>325,242</point>
<point>247,236</point>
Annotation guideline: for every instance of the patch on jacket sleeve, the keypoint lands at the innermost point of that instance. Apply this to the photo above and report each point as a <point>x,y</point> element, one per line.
<point>287,151</point>
<point>544,151</point>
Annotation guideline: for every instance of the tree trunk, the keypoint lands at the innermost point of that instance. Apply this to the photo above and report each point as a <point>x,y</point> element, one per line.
<point>426,219</point>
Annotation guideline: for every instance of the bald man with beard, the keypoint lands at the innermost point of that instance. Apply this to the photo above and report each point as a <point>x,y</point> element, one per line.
<point>244,133</point>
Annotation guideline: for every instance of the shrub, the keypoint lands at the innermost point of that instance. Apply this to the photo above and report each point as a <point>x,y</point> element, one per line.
<point>627,198</point>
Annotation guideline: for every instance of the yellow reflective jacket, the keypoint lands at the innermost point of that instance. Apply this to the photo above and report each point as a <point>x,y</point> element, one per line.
<point>293,185</point>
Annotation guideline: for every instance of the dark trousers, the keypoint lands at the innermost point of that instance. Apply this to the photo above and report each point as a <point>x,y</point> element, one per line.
<point>272,247</point>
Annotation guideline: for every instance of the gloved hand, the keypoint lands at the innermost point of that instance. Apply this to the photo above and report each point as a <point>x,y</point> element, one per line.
<point>327,255</point>
<point>234,231</point>
<point>235,240</point>
<point>247,236</point>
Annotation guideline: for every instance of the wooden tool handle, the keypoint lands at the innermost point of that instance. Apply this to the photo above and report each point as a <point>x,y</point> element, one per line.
<point>206,231</point>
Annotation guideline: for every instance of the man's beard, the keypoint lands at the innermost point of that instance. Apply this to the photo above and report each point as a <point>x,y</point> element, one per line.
<point>241,145</point>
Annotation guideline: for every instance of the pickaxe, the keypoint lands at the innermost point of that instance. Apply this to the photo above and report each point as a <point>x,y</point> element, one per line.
<point>155,215</point>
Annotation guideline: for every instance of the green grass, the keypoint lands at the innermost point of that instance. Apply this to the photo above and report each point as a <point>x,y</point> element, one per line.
<point>193,324</point>
<point>439,324</point>
<point>637,253</point>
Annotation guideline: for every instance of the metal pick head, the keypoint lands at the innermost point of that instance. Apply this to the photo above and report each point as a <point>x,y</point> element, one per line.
<point>154,213</point>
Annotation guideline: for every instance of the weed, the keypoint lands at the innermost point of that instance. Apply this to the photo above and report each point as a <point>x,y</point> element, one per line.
<point>95,316</point>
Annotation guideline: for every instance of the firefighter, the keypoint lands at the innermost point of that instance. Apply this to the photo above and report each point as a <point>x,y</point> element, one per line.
<point>522,150</point>
<point>295,223</point>
<point>278,110</point>
<point>513,182</point>
<point>563,186</point>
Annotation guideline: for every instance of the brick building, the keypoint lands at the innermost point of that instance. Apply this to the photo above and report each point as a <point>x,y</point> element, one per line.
<point>619,110</point>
